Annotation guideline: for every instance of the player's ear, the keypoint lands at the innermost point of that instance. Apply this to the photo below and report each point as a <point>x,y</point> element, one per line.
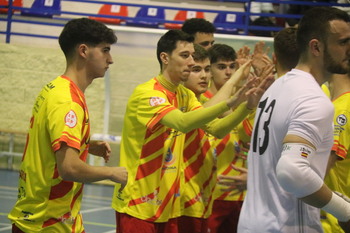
<point>83,49</point>
<point>274,59</point>
<point>315,46</point>
<point>164,57</point>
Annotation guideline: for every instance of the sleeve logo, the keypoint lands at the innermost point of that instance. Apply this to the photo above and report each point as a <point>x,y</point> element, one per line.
<point>342,120</point>
<point>154,101</point>
<point>71,119</point>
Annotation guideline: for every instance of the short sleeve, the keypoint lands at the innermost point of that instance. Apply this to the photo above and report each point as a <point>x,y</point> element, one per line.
<point>312,119</point>
<point>65,124</point>
<point>152,106</point>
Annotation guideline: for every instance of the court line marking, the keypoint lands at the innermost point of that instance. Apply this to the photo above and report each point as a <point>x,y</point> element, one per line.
<point>98,224</point>
<point>6,228</point>
<point>95,210</point>
<point>9,187</point>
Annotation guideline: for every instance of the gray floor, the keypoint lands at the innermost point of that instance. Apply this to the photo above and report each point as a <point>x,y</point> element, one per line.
<point>96,208</point>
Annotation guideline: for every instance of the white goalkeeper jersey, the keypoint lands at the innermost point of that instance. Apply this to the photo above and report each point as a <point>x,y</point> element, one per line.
<point>294,104</point>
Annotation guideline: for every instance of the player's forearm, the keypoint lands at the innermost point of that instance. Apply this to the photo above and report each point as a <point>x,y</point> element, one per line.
<point>319,198</point>
<point>185,122</point>
<point>81,172</point>
<point>224,93</point>
<point>296,176</point>
<point>221,127</point>
<point>72,168</point>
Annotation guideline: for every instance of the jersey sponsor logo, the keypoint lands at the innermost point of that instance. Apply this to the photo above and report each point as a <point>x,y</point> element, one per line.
<point>27,215</point>
<point>342,120</point>
<point>154,101</point>
<point>152,198</point>
<point>21,193</point>
<point>71,119</point>
<point>23,175</point>
<point>67,219</point>
<point>50,86</point>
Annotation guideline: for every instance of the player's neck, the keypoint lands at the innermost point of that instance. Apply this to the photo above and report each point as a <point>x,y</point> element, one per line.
<point>212,89</point>
<point>317,72</point>
<point>338,85</point>
<point>79,79</point>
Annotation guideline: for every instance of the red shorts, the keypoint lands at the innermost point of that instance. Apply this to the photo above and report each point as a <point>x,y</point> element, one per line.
<point>190,224</point>
<point>224,217</point>
<point>129,224</point>
<point>15,229</point>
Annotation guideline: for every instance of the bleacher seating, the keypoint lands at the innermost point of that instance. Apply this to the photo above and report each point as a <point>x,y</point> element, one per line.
<point>148,17</point>
<point>43,8</point>
<point>228,22</point>
<point>112,10</point>
<point>182,16</point>
<point>15,3</point>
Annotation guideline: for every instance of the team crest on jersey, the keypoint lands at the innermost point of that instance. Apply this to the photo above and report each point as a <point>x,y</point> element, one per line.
<point>71,119</point>
<point>169,158</point>
<point>154,101</point>
<point>342,120</point>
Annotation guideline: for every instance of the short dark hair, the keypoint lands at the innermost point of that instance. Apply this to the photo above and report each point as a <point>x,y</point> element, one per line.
<point>221,52</point>
<point>200,54</point>
<point>194,25</point>
<point>315,25</point>
<point>167,43</point>
<point>286,48</point>
<point>84,31</point>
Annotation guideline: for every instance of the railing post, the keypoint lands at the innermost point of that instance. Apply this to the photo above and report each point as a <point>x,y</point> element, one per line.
<point>247,17</point>
<point>9,22</point>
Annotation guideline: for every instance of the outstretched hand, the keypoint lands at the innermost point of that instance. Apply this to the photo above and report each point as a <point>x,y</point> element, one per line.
<point>260,58</point>
<point>254,94</point>
<point>243,55</point>
<point>242,73</point>
<point>234,184</point>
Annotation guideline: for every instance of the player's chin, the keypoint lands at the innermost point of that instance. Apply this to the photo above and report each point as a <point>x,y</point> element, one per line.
<point>184,77</point>
<point>101,74</point>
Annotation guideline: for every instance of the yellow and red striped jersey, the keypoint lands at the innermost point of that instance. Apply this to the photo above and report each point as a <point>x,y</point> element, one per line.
<point>199,172</point>
<point>227,151</point>
<point>152,152</point>
<point>338,178</point>
<point>46,203</point>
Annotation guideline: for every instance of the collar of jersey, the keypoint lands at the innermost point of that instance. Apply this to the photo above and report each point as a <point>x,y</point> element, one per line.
<point>165,83</point>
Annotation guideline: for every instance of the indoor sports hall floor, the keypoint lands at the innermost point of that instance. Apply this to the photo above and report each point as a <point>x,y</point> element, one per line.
<point>96,208</point>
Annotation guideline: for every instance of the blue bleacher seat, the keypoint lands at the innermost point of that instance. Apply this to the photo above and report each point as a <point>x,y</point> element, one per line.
<point>228,22</point>
<point>43,8</point>
<point>148,17</point>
